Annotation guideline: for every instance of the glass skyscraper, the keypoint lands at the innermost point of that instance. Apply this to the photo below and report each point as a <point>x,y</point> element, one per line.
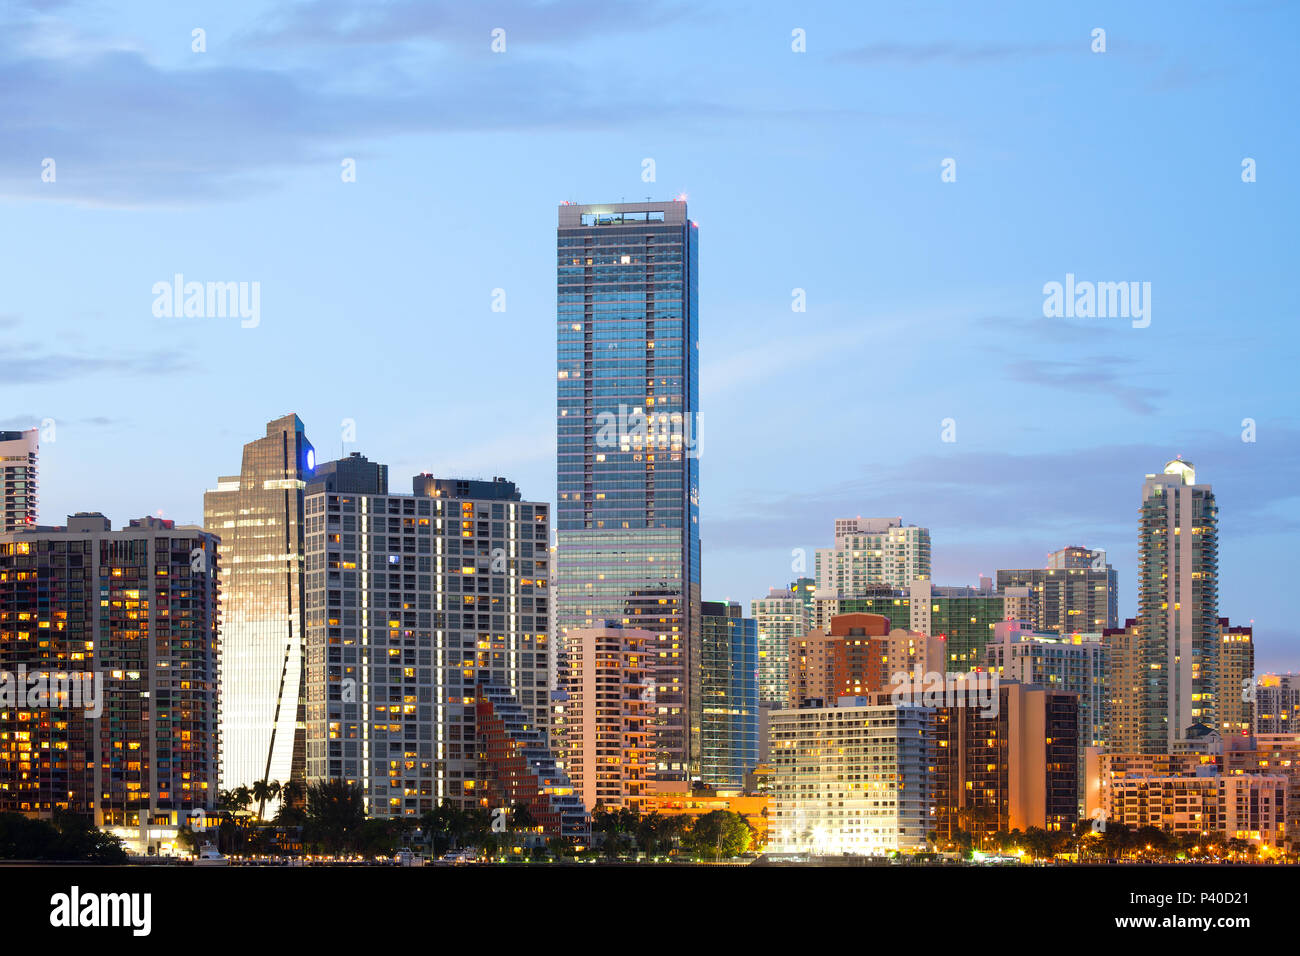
<point>627,524</point>
<point>258,515</point>
<point>728,695</point>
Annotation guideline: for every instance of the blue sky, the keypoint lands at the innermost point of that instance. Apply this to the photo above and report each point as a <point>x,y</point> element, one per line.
<point>817,170</point>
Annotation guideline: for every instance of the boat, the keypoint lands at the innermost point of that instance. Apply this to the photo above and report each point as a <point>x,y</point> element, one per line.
<point>210,856</point>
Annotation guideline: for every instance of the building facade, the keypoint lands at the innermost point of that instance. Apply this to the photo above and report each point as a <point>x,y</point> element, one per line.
<point>1178,606</point>
<point>1075,663</point>
<point>628,546</point>
<point>608,729</point>
<point>19,487</point>
<point>1012,770</point>
<point>780,616</point>
<point>873,552</point>
<point>1078,591</point>
<point>851,779</point>
<point>426,612</point>
<point>1277,704</point>
<point>259,518</point>
<point>1236,679</point>
<point>729,667</point>
<point>130,618</point>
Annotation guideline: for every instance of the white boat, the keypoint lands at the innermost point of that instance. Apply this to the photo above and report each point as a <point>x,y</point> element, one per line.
<point>209,856</point>
<point>405,857</point>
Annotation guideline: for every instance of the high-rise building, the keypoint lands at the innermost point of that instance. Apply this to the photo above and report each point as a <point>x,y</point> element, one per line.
<point>850,779</point>
<point>728,695</point>
<point>117,631</point>
<point>1076,663</point>
<point>608,736</point>
<point>1178,605</point>
<point>1011,770</point>
<point>871,552</point>
<point>963,616</point>
<point>627,472</point>
<point>781,616</point>
<point>1277,704</point>
<point>805,589</point>
<point>18,479</point>
<point>258,516</point>
<point>1077,591</point>
<point>1236,679</point>
<point>427,614</point>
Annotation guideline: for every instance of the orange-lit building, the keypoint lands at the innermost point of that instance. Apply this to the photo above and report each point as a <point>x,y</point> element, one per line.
<point>752,807</point>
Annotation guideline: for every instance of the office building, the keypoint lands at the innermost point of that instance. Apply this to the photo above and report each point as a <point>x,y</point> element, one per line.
<point>780,616</point>
<point>1178,606</point>
<point>258,516</point>
<point>728,695</point>
<point>850,779</point>
<point>426,612</point>
<point>19,499</point>
<point>608,728</point>
<point>628,545</point>
<point>1078,591</point>
<point>116,632</point>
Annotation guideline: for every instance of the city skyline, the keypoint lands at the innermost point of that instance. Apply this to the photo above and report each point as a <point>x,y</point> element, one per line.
<point>846,202</point>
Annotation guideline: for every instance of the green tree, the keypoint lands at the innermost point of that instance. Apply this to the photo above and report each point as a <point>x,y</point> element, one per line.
<point>335,815</point>
<point>721,834</point>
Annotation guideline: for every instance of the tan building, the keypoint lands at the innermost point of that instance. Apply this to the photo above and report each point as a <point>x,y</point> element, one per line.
<point>811,669</point>
<point>1246,791</point>
<point>1124,714</point>
<point>1010,770</point>
<point>608,732</point>
<point>1236,679</point>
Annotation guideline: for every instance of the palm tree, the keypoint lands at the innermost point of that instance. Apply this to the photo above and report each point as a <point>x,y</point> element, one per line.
<point>263,791</point>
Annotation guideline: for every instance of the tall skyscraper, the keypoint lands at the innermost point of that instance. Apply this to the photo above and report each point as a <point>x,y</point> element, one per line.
<point>1078,592</point>
<point>129,618</point>
<point>428,641</point>
<point>872,552</point>
<point>1178,605</point>
<point>628,545</point>
<point>18,480</point>
<point>258,516</point>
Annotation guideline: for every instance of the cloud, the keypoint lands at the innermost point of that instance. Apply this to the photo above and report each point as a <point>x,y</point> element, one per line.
<point>1004,500</point>
<point>25,364</point>
<point>929,54</point>
<point>1097,375</point>
<point>529,24</point>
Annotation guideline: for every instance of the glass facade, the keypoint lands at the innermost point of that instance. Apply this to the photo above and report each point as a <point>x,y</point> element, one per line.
<point>258,515</point>
<point>728,695</point>
<point>627,522</point>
